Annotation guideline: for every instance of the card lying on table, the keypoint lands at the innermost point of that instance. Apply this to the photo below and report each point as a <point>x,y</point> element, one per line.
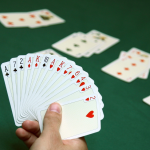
<point>33,19</point>
<point>130,65</point>
<point>34,81</point>
<point>147,100</point>
<point>80,44</point>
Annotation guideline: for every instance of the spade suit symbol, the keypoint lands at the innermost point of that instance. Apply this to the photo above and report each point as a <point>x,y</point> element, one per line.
<point>7,74</point>
<point>44,65</point>
<point>15,70</point>
<point>21,67</point>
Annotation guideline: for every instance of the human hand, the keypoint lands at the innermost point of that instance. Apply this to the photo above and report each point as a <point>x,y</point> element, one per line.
<point>50,138</point>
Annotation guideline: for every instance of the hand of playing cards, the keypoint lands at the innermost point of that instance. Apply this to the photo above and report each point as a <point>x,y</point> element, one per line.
<point>34,81</point>
<point>131,65</point>
<point>32,19</point>
<point>81,44</point>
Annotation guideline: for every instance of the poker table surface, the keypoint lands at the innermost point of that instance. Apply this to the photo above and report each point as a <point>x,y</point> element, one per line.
<point>126,125</point>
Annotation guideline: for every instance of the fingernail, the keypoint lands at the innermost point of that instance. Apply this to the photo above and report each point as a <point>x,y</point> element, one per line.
<point>55,107</point>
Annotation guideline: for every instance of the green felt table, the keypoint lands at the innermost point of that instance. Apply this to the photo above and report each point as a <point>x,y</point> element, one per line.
<point>126,125</point>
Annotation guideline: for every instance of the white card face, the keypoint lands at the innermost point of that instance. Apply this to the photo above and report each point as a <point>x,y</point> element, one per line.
<point>27,72</point>
<point>36,63</point>
<point>68,46</point>
<point>76,45</point>
<point>105,40</point>
<point>9,87</point>
<point>44,62</point>
<point>49,51</point>
<point>13,65</point>
<point>89,45</point>
<point>46,17</point>
<point>20,75</point>
<point>143,75</point>
<point>58,83</point>
<point>79,118</point>
<point>45,73</point>
<point>67,95</point>
<point>147,100</point>
<point>126,69</point>
<point>51,73</point>
<point>15,19</point>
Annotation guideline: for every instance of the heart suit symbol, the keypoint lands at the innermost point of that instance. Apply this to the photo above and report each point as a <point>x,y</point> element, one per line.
<point>87,99</point>
<point>72,77</point>
<point>51,66</point>
<point>90,114</point>
<point>83,89</point>
<point>82,83</point>
<point>78,81</point>
<point>65,72</point>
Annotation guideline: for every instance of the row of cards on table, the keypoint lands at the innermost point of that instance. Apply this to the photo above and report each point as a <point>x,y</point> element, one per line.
<point>34,81</point>
<point>33,19</point>
<point>85,44</point>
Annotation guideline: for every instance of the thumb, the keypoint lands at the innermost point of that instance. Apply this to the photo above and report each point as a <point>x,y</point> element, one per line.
<point>52,122</point>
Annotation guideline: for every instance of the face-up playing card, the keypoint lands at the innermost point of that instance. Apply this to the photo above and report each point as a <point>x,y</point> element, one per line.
<point>6,70</point>
<point>105,40</point>
<point>144,75</point>
<point>76,45</point>
<point>80,118</point>
<point>45,18</point>
<point>49,51</point>
<point>15,19</point>
<point>127,69</point>
<point>32,19</point>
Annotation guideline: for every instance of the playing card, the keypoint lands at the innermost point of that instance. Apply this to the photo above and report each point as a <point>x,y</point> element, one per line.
<point>9,87</point>
<point>15,19</point>
<point>20,75</point>
<point>76,45</point>
<point>106,41</point>
<point>27,72</point>
<point>143,75</point>
<point>45,18</point>
<point>49,51</point>
<point>127,69</point>
<point>13,69</point>
<point>80,118</point>
<point>147,100</point>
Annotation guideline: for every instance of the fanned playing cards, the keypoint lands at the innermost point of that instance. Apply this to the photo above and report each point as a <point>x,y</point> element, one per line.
<point>34,81</point>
